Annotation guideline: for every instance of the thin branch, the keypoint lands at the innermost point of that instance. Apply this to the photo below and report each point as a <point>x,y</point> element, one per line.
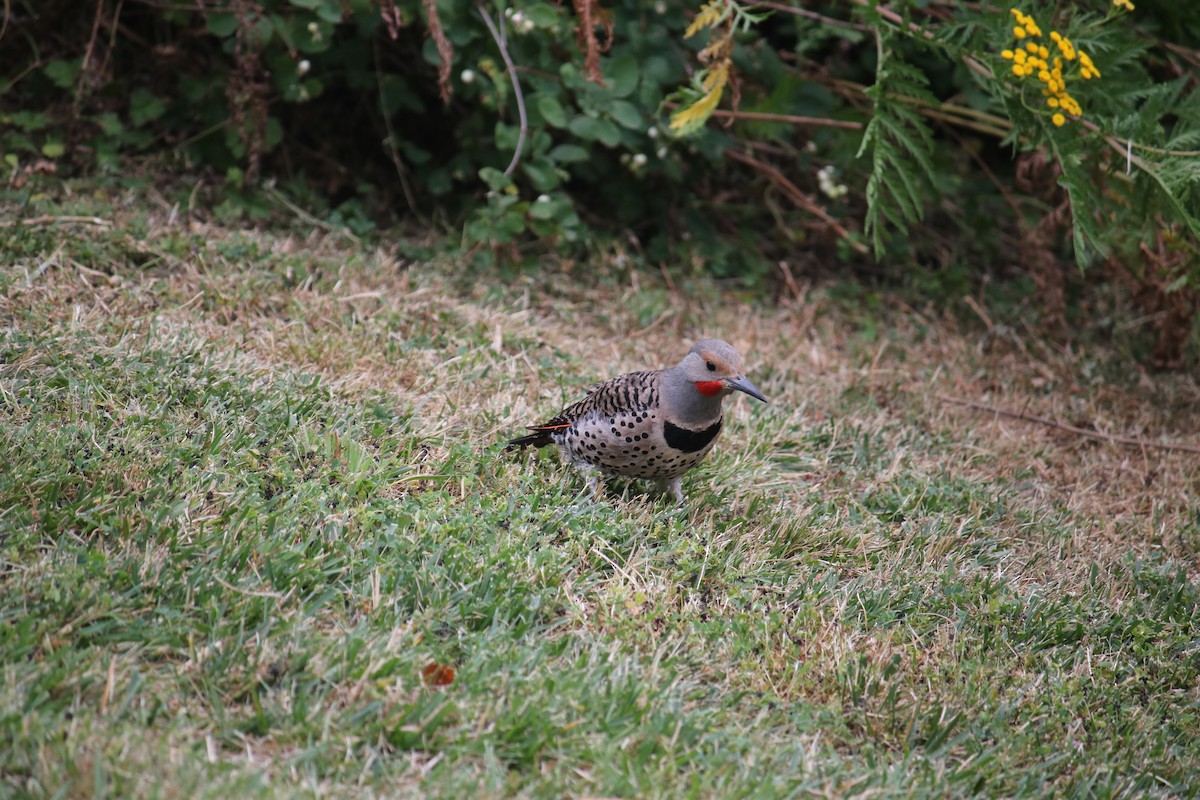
<point>397,162</point>
<point>804,12</point>
<point>87,54</point>
<point>1062,426</point>
<point>341,230</point>
<point>820,122</point>
<point>954,119</point>
<point>798,197</point>
<point>57,221</point>
<point>950,112</point>
<point>512,73</point>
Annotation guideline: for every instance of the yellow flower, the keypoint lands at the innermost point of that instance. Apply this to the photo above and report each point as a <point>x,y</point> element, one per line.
<point>1086,68</point>
<point>1034,59</point>
<point>1125,4</point>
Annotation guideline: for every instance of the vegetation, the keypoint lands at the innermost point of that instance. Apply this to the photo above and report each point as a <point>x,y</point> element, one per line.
<point>281,276</point>
<point>258,536</point>
<point>927,137</point>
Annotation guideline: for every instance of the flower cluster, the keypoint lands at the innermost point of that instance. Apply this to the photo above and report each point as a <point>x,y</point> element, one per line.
<point>1033,59</point>
<point>520,22</point>
<point>827,180</point>
<point>1125,4</point>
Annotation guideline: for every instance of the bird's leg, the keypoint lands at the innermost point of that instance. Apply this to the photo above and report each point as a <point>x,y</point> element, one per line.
<point>674,486</point>
<point>595,481</point>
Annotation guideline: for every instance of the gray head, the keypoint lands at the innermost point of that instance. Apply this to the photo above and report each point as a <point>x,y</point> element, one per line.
<point>716,369</point>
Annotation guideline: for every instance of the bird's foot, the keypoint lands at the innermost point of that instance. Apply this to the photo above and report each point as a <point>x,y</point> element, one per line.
<point>674,487</point>
<point>595,484</point>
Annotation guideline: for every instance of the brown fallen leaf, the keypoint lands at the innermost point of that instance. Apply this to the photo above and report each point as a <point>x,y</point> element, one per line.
<point>435,674</point>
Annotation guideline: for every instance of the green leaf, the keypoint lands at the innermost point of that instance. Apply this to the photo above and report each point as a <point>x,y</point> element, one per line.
<point>284,29</point>
<point>413,154</point>
<point>658,70</point>
<point>551,110</point>
<point>439,182</point>
<point>328,10</point>
<point>543,15</point>
<point>62,73</point>
<point>144,107</point>
<point>259,33</point>
<point>316,40</point>
<point>543,176</point>
<point>110,124</point>
<point>274,133</point>
<point>53,149</point>
<point>623,73</point>
<point>29,120</point>
<point>549,209</point>
<point>585,127</point>
<point>495,179</point>
<point>513,222</point>
<point>598,130</point>
<point>627,115</point>
<point>222,25</point>
<point>569,154</point>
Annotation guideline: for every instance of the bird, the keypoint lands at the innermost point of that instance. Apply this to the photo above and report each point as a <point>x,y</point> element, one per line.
<point>654,424</point>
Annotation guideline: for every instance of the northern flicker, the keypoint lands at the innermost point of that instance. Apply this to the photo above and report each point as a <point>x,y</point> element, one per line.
<point>655,424</point>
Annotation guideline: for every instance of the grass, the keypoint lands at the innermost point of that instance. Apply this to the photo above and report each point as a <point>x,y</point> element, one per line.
<point>252,489</point>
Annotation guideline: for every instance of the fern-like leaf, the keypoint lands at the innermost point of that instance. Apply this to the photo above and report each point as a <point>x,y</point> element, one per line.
<point>900,144</point>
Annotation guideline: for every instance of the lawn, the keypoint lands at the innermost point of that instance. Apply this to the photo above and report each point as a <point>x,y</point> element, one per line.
<point>259,536</point>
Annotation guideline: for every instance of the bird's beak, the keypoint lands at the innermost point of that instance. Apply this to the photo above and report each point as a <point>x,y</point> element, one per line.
<point>742,384</point>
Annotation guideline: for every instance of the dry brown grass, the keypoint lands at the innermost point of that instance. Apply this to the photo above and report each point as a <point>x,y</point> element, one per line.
<point>384,324</point>
<point>808,355</point>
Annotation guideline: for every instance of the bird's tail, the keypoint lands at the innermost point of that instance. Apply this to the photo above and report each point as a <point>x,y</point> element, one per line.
<point>537,439</point>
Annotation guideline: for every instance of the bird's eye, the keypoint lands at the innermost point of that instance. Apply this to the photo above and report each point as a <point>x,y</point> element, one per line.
<point>711,366</point>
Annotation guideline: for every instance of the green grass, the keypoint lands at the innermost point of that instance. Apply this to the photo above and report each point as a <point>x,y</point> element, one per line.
<point>251,486</point>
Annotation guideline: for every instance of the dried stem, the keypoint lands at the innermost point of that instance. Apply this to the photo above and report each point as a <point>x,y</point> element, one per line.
<point>512,73</point>
<point>804,12</point>
<point>819,122</point>
<point>1062,426</point>
<point>49,220</point>
<point>796,196</point>
<point>397,162</point>
<point>87,54</point>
